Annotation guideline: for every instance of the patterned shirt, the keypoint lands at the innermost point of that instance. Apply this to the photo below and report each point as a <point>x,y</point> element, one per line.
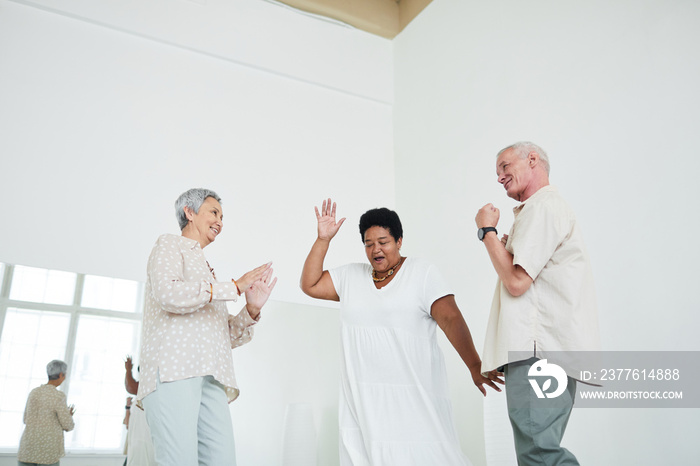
<point>187,330</point>
<point>46,417</point>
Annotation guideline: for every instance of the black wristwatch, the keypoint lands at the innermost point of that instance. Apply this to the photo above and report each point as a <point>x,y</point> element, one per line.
<point>482,232</point>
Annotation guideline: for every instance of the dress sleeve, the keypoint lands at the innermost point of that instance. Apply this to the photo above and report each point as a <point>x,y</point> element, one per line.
<point>537,232</point>
<point>240,328</point>
<point>434,287</point>
<point>339,277</point>
<point>63,413</point>
<point>173,293</point>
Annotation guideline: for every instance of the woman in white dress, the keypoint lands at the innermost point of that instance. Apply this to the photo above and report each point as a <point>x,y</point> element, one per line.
<point>394,402</point>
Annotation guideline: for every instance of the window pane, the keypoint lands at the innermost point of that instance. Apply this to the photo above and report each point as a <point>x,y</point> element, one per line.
<point>111,293</point>
<point>42,285</point>
<point>11,427</point>
<point>97,384</point>
<point>83,435</point>
<point>30,339</point>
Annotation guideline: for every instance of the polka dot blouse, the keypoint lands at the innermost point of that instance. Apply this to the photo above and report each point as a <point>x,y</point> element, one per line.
<point>187,330</point>
<point>46,416</point>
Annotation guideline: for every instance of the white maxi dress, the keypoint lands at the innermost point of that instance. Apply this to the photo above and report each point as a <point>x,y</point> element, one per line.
<point>394,401</point>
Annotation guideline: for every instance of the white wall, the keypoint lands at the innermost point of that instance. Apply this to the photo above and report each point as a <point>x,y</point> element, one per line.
<point>609,89</point>
<point>103,129</point>
<point>110,110</point>
<point>96,99</point>
<point>293,358</point>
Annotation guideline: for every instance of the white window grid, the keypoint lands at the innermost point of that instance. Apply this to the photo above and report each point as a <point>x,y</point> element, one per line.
<point>75,310</point>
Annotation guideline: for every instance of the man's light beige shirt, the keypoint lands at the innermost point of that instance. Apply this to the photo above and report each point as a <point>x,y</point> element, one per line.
<point>558,312</point>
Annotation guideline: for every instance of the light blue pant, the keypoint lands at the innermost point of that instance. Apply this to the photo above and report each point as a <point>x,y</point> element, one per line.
<point>190,423</point>
<point>538,424</point>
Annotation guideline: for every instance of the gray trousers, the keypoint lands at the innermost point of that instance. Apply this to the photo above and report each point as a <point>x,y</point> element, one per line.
<point>538,424</point>
<point>190,423</point>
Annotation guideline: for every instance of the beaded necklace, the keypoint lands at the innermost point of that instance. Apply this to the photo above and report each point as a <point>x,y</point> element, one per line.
<point>391,272</point>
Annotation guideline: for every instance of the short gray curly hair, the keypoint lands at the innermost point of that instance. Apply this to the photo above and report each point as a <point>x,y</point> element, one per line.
<point>523,148</point>
<point>55,368</point>
<point>192,198</point>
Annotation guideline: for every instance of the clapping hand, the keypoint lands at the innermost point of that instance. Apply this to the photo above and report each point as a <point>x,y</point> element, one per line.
<point>251,277</point>
<point>257,294</point>
<point>327,226</point>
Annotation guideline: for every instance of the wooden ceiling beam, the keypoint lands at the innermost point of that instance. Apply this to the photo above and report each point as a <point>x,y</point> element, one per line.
<point>385,18</point>
<point>409,9</point>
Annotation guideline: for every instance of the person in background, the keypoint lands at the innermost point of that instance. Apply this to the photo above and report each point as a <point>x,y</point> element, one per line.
<point>544,307</point>
<point>186,377</point>
<point>127,417</point>
<point>139,446</point>
<point>46,417</point>
<point>395,406</point>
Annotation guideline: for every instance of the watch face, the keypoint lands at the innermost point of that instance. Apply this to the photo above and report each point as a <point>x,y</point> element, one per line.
<point>482,232</point>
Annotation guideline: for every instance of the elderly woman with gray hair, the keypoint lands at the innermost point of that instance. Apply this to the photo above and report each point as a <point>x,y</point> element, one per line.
<point>187,375</point>
<point>46,416</point>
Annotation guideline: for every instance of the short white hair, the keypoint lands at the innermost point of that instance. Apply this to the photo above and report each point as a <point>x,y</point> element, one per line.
<point>523,148</point>
<point>55,368</point>
<point>193,199</point>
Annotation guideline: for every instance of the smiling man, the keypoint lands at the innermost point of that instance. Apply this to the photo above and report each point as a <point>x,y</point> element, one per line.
<point>544,302</point>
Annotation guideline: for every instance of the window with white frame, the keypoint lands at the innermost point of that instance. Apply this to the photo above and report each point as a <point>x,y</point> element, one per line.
<point>89,322</point>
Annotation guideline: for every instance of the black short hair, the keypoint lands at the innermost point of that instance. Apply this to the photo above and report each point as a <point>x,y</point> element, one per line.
<point>384,218</point>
